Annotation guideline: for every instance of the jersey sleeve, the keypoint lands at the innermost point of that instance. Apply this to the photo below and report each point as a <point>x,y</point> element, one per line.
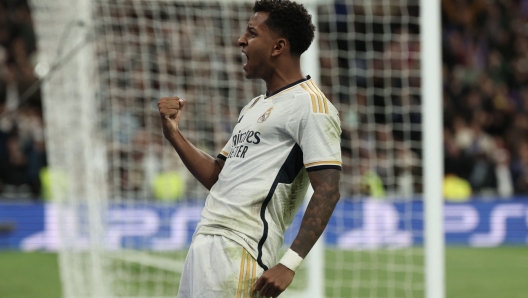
<point>319,136</point>
<point>225,151</point>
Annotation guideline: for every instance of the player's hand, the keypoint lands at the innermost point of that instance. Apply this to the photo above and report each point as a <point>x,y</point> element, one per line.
<point>170,109</point>
<point>274,281</point>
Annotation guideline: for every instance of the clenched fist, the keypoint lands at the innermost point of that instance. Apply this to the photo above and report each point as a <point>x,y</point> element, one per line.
<point>274,281</point>
<point>170,109</point>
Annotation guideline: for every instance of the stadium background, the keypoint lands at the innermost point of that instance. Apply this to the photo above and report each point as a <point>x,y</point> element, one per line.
<point>485,75</point>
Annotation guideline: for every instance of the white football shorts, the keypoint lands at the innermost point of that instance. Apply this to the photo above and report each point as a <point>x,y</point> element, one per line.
<point>218,267</point>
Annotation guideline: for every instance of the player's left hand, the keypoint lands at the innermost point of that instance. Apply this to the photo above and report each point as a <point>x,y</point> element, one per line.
<point>274,281</point>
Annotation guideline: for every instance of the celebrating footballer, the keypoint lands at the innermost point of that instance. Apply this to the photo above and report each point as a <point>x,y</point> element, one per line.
<point>283,140</point>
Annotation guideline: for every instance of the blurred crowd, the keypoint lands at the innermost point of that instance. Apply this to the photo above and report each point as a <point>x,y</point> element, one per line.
<point>485,99</point>
<point>485,75</point>
<point>22,152</point>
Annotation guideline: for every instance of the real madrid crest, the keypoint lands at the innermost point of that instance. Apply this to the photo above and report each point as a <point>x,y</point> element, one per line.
<point>264,116</point>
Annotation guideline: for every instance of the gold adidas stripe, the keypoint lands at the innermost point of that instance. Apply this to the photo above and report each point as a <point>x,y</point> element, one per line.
<point>241,275</point>
<point>254,279</point>
<point>248,275</point>
<point>322,163</point>
<point>320,96</point>
<point>325,100</point>
<point>224,153</point>
<point>319,104</point>
<point>314,107</point>
<point>254,103</point>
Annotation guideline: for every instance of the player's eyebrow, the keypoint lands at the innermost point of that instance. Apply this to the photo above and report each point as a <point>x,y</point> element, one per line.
<point>251,28</point>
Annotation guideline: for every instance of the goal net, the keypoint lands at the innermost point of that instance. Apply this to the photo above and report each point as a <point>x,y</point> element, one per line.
<point>126,207</point>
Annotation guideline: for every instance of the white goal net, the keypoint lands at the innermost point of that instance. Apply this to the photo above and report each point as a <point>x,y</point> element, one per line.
<point>126,207</point>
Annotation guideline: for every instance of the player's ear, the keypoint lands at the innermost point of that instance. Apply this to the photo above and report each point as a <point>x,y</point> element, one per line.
<point>280,46</point>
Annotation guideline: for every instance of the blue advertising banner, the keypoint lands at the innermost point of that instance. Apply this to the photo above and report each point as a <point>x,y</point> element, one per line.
<point>19,221</point>
<point>365,224</point>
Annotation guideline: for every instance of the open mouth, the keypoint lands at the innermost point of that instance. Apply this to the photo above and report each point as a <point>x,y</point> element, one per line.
<point>245,58</point>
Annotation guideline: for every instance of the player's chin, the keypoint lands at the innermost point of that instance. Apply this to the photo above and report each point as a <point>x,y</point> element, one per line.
<point>249,75</point>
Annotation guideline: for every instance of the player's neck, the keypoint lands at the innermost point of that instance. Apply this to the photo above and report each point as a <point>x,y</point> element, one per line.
<point>283,75</point>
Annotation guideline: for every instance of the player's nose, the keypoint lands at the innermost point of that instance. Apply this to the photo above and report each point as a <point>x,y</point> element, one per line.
<point>242,42</point>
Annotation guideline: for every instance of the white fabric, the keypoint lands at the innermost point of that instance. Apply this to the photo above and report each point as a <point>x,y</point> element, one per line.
<point>275,142</point>
<point>291,260</point>
<point>218,267</point>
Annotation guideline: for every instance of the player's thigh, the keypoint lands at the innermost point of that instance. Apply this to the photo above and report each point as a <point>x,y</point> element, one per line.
<point>218,267</point>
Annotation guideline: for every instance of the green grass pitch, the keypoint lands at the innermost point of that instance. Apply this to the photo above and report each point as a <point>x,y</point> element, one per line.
<point>470,272</point>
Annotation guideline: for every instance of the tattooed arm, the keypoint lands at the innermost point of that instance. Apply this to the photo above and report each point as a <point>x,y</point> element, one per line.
<point>326,195</point>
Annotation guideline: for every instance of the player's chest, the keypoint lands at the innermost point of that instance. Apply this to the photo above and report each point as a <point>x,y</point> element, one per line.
<point>265,117</point>
<point>259,129</point>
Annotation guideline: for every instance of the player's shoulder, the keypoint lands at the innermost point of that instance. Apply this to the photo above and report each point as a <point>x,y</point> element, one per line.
<point>254,100</point>
<point>251,103</point>
<point>311,99</point>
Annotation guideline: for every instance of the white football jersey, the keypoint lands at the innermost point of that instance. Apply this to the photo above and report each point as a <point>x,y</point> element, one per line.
<point>277,139</point>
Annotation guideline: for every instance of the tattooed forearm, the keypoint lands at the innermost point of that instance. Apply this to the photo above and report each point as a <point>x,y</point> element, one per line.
<point>326,194</point>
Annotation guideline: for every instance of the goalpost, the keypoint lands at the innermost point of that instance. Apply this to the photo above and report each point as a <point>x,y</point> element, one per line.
<point>127,207</point>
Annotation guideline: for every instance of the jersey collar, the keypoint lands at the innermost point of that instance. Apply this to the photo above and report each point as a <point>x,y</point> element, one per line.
<point>287,86</point>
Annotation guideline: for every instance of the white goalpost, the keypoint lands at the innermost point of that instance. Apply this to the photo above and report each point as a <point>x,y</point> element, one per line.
<point>433,152</point>
<point>126,206</point>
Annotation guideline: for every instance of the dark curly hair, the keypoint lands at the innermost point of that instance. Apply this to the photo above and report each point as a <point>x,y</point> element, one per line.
<point>289,20</point>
